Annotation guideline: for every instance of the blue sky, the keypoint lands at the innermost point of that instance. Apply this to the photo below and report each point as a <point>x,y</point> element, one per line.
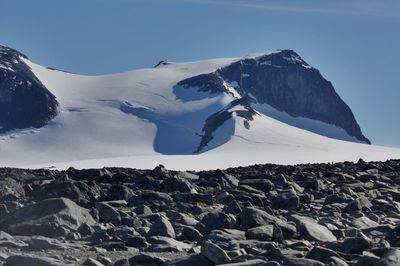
<point>355,44</point>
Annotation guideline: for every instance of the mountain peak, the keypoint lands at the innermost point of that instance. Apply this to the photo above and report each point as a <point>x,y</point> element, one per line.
<point>283,81</point>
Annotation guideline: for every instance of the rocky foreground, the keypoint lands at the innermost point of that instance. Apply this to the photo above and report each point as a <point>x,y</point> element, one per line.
<point>316,214</point>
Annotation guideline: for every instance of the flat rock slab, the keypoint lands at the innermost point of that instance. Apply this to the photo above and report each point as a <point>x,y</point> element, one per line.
<point>311,230</point>
<point>46,218</point>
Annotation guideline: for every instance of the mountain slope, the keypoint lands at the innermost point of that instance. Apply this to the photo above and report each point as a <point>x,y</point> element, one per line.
<point>192,115</point>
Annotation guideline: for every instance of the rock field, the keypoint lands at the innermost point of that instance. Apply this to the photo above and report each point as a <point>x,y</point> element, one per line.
<point>309,215</point>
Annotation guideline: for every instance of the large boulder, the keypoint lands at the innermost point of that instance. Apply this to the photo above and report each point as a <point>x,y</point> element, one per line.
<point>214,253</point>
<point>217,220</point>
<point>253,217</point>
<point>176,183</point>
<point>11,189</point>
<point>51,218</point>
<point>162,227</point>
<point>19,260</point>
<point>310,229</point>
<point>107,213</point>
<point>391,258</point>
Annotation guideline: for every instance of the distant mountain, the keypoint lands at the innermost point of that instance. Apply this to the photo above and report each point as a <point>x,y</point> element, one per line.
<point>270,107</point>
<point>284,81</point>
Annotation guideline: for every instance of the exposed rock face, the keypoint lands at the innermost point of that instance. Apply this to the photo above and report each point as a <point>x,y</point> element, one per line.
<point>287,83</point>
<point>24,101</point>
<point>215,120</point>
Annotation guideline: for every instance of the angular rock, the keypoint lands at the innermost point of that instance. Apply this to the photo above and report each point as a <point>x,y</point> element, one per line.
<point>119,192</point>
<point>148,196</point>
<point>214,253</point>
<point>162,227</point>
<point>355,245</point>
<point>191,233</point>
<point>193,260</point>
<point>163,240</point>
<point>217,220</point>
<point>92,262</point>
<point>358,204</point>
<point>20,260</point>
<point>393,236</point>
<point>309,229</point>
<point>264,185</point>
<point>301,262</point>
<point>286,200</point>
<point>263,233</point>
<point>391,258</point>
<point>47,218</point>
<point>177,183</point>
<point>321,254</point>
<point>253,217</point>
<point>335,261</point>
<point>250,262</point>
<point>146,259</point>
<point>108,214</point>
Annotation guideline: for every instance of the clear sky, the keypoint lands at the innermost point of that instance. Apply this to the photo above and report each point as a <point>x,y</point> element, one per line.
<point>355,44</point>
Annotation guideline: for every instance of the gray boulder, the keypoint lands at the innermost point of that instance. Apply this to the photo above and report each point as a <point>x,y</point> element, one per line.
<point>92,262</point>
<point>264,185</point>
<point>193,260</point>
<point>51,218</point>
<point>391,258</point>
<point>20,260</point>
<point>301,262</point>
<point>358,204</point>
<point>253,217</point>
<point>10,187</point>
<point>217,220</point>
<point>355,244</point>
<point>310,229</point>
<point>119,192</point>
<point>287,200</point>
<point>214,253</point>
<point>108,214</point>
<point>177,183</point>
<point>167,241</point>
<point>393,236</point>
<point>162,227</point>
<point>263,233</point>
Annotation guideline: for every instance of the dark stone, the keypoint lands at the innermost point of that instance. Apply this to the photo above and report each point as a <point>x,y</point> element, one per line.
<point>51,217</point>
<point>264,185</point>
<point>286,200</point>
<point>217,220</point>
<point>162,227</point>
<point>119,192</point>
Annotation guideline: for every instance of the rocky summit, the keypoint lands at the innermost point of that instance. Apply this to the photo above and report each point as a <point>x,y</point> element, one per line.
<point>312,214</point>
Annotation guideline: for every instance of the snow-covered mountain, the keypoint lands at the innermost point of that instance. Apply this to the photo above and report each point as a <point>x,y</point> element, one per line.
<point>270,107</point>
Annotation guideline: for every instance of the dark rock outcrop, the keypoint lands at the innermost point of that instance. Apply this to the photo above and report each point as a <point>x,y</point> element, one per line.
<point>24,101</point>
<point>286,82</point>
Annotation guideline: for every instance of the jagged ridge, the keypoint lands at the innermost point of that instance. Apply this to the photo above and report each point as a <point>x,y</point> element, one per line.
<point>286,82</point>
